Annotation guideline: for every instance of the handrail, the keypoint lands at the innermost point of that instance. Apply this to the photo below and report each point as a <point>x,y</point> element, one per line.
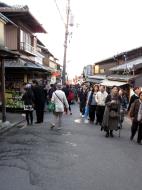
<point>27,47</point>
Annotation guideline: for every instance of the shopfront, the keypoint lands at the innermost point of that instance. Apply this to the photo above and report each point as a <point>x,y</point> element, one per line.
<point>16,77</point>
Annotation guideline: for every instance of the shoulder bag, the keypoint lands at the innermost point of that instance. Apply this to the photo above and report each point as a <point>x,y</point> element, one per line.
<point>65,109</point>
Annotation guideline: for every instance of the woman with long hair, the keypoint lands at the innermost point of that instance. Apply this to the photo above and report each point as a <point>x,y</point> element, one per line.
<point>91,102</point>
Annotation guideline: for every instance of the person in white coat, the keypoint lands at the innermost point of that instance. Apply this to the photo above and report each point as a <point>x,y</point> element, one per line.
<point>60,101</point>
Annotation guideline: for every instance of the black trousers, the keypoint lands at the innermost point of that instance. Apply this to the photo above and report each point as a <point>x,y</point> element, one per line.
<point>29,117</point>
<point>92,111</point>
<point>69,102</point>
<point>40,113</point>
<point>100,113</point>
<point>136,126</point>
<point>82,108</point>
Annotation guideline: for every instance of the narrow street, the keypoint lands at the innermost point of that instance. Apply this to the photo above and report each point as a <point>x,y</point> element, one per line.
<point>77,157</point>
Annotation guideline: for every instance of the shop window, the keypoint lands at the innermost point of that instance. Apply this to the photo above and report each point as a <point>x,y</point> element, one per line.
<point>96,69</point>
<point>102,71</point>
<point>1,33</point>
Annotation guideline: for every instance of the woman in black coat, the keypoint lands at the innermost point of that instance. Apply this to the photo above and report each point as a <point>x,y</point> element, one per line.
<point>28,99</point>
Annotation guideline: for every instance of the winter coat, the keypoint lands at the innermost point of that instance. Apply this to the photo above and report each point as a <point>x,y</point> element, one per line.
<point>134,109</point>
<point>40,97</point>
<point>124,102</point>
<point>83,97</point>
<point>59,102</point>
<point>112,121</point>
<point>28,99</point>
<point>132,99</point>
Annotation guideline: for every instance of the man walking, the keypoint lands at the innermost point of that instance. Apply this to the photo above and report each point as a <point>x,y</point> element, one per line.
<point>60,101</point>
<point>134,96</point>
<point>100,99</point>
<point>39,101</point>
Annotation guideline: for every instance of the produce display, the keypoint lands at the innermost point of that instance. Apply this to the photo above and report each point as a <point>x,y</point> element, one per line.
<point>13,99</point>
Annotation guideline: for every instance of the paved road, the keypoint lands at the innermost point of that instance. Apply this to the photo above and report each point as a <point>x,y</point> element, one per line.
<point>78,157</point>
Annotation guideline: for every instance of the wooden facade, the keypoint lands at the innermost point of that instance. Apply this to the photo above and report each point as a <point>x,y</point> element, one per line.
<point>11,38</point>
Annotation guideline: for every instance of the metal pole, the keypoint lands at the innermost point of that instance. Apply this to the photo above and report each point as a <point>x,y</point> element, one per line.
<point>3,90</point>
<point>66,43</point>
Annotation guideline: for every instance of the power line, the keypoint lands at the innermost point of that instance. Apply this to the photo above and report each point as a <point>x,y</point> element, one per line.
<point>59,11</point>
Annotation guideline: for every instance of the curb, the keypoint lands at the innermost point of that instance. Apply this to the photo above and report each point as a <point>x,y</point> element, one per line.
<point>7,128</point>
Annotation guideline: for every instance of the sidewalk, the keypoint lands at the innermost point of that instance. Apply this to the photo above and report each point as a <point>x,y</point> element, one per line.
<point>12,120</point>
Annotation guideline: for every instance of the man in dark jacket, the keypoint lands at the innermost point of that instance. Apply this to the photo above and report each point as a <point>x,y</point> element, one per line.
<point>39,102</point>
<point>136,116</point>
<point>134,96</point>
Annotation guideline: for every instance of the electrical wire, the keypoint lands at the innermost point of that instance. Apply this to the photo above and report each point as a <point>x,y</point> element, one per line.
<point>59,11</point>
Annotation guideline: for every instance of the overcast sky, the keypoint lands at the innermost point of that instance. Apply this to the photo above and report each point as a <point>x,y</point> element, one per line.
<point>102,28</point>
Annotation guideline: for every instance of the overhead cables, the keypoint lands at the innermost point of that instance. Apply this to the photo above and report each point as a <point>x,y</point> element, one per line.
<point>59,11</point>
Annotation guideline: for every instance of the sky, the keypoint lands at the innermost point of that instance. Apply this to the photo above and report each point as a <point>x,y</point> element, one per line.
<point>102,29</point>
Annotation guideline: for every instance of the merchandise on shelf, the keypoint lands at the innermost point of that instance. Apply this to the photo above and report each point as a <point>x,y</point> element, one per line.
<point>13,99</point>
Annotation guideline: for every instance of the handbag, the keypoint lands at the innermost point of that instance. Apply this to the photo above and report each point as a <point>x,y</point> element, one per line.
<point>51,107</point>
<point>28,108</point>
<point>113,114</point>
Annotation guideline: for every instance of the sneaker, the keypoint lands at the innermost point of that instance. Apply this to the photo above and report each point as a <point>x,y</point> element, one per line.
<point>86,121</point>
<point>82,116</point>
<point>52,126</point>
<point>59,128</point>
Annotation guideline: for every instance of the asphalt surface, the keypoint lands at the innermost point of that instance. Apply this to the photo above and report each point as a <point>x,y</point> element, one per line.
<point>77,157</point>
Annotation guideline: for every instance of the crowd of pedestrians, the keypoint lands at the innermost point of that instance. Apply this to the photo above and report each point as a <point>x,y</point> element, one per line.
<point>38,96</point>
<point>108,110</point>
<point>97,105</point>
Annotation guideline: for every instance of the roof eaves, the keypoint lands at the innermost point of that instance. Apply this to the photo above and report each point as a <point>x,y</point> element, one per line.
<point>7,20</point>
<point>24,9</point>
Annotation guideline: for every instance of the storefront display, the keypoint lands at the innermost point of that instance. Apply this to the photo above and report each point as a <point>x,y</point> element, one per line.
<point>13,93</point>
<point>13,99</point>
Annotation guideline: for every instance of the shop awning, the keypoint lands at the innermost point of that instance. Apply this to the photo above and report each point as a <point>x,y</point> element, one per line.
<point>111,83</point>
<point>96,78</point>
<point>5,53</point>
<point>123,78</point>
<point>129,65</point>
<point>93,80</point>
<point>26,65</point>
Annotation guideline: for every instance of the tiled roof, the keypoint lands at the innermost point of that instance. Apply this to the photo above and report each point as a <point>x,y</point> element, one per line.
<point>24,15</point>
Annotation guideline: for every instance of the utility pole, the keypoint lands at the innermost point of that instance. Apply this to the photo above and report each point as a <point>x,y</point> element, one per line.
<point>66,42</point>
<point>3,90</point>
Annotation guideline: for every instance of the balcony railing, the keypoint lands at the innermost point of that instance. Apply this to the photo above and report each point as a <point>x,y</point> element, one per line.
<point>27,48</point>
